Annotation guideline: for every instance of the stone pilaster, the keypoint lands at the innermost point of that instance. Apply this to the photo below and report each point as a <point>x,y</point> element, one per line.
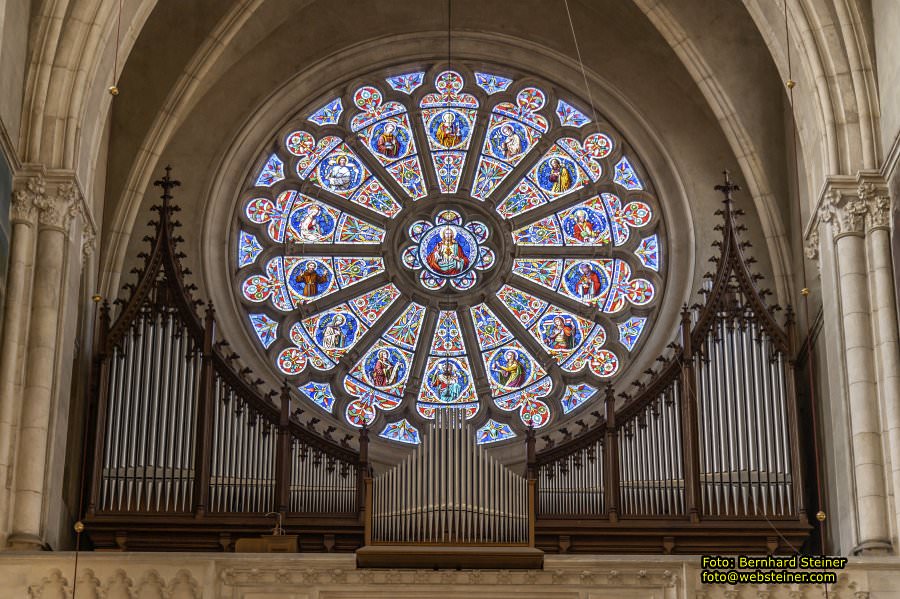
<point>850,210</point>
<point>55,211</point>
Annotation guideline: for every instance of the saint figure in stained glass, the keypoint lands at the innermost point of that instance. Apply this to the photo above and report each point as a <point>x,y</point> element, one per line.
<point>589,283</point>
<point>559,176</point>
<point>310,279</point>
<point>559,334</point>
<point>448,132</point>
<point>447,256</point>
<point>511,372</point>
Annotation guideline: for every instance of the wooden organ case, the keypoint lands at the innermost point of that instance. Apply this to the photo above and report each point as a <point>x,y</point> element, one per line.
<point>189,452</point>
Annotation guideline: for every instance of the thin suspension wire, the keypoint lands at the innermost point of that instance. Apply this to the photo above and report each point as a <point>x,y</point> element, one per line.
<point>810,364</point>
<point>587,88</point>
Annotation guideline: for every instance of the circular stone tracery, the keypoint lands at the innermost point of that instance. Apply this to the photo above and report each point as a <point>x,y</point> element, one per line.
<point>393,260</point>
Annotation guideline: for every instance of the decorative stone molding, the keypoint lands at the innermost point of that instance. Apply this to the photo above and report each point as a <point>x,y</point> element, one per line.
<point>53,586</point>
<point>87,586</point>
<point>811,247</point>
<point>208,575</point>
<point>87,245</point>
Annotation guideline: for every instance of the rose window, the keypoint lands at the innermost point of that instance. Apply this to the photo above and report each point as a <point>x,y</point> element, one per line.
<point>434,239</point>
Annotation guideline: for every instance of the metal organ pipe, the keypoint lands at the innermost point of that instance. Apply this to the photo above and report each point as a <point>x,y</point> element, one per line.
<point>449,491</point>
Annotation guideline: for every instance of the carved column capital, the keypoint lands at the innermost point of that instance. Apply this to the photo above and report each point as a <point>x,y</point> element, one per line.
<point>879,212</point>
<point>855,205</point>
<point>27,192</point>
<point>845,213</point>
<point>56,210</point>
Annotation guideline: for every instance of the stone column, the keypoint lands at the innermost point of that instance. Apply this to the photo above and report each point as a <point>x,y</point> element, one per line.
<point>847,214</point>
<point>54,216</point>
<point>28,191</point>
<point>885,330</point>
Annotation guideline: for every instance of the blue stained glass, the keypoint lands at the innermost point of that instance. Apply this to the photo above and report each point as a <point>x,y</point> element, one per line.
<point>648,252</point>
<point>265,328</point>
<point>320,394</point>
<point>576,395</point>
<point>493,431</point>
<point>626,177</point>
<point>492,83</point>
<point>630,331</point>
<point>329,114</point>
<point>569,116</point>
<point>272,172</point>
<point>401,431</point>
<point>249,249</point>
<point>406,83</point>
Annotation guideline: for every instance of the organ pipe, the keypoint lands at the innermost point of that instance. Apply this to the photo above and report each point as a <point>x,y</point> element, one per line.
<point>449,491</point>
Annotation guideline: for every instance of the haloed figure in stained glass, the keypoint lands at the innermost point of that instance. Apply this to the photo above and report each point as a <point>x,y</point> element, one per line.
<point>559,176</point>
<point>311,227</point>
<point>446,382</point>
<point>448,133</point>
<point>388,145</point>
<point>559,334</point>
<point>589,285</point>
<point>512,374</point>
<point>310,279</point>
<point>333,336</point>
<point>447,257</point>
<point>511,146</point>
<point>583,230</point>
<point>340,176</point>
<point>384,373</point>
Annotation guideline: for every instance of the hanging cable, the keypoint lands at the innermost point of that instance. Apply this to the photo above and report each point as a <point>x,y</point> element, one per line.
<point>113,89</point>
<point>804,291</point>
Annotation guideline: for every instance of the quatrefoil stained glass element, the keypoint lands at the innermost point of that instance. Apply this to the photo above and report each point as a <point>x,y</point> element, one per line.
<point>478,244</point>
<point>448,249</point>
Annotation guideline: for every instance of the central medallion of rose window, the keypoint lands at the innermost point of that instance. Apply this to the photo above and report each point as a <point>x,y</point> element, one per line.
<point>448,250</point>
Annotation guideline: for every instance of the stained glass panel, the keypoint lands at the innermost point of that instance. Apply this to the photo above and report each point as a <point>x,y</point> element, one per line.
<point>449,118</point>
<point>576,395</point>
<point>320,394</point>
<point>569,116</point>
<point>401,431</point>
<point>328,114</point>
<point>492,83</point>
<point>493,431</point>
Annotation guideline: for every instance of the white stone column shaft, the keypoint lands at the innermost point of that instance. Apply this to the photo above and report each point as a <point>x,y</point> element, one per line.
<point>862,392</point>
<point>887,353</point>
<point>15,328</point>
<point>40,374</point>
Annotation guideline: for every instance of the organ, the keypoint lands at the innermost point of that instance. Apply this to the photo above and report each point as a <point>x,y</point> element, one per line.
<point>700,455</point>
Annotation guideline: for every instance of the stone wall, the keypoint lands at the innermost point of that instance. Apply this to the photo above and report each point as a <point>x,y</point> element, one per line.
<point>258,576</point>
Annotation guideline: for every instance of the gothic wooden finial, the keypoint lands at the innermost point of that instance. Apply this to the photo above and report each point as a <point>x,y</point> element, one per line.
<point>167,183</point>
<point>727,188</point>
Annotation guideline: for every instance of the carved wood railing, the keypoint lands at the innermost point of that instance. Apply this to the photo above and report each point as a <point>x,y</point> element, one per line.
<point>704,456</point>
<point>185,440</point>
